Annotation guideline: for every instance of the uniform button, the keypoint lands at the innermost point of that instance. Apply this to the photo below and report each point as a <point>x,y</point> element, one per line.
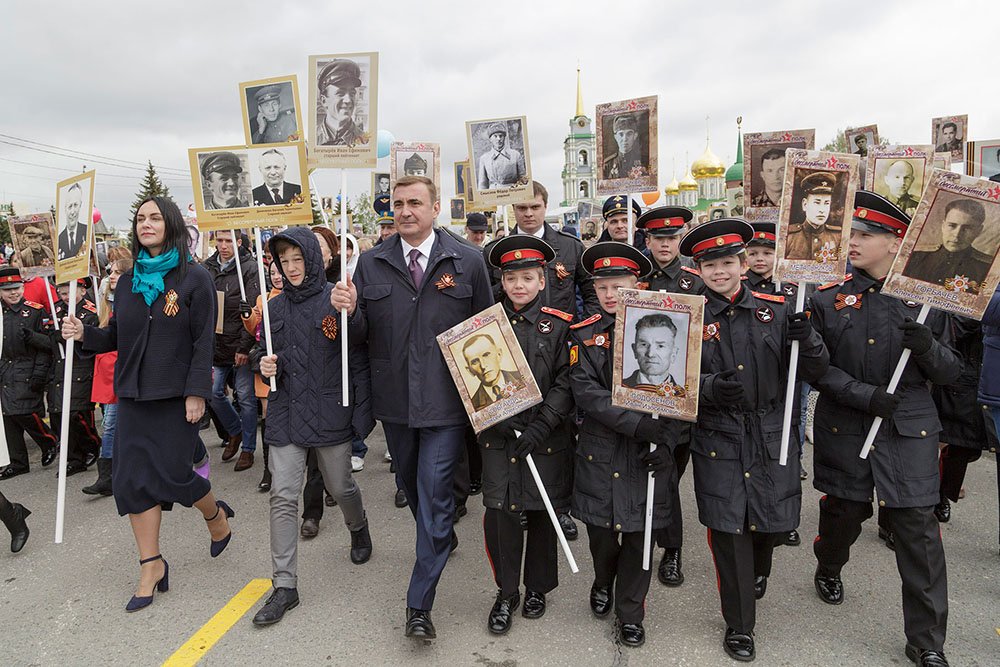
<point>548,451</point>
<point>753,527</point>
<point>871,341</point>
<point>413,299</point>
<point>873,448</point>
<point>712,454</point>
<point>871,289</point>
<point>731,311</point>
<point>747,475</point>
<point>618,526</point>
<point>487,445</point>
<point>615,475</point>
<point>590,457</point>
<point>923,434</point>
<point>513,507</point>
<point>835,429</point>
<point>513,459</point>
<point>740,367</point>
<point>881,503</point>
<point>739,531</point>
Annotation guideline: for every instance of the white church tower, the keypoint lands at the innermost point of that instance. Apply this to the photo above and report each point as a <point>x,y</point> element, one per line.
<point>578,174</point>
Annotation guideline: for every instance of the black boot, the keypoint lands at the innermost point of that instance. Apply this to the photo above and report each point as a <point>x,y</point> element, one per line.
<point>102,487</point>
<point>361,545</point>
<point>265,480</point>
<point>13,516</point>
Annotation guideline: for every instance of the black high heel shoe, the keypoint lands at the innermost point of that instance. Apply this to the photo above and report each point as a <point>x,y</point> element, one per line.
<point>218,546</point>
<point>163,585</point>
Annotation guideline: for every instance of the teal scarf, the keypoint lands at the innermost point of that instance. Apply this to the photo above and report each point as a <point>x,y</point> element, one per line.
<point>147,278</point>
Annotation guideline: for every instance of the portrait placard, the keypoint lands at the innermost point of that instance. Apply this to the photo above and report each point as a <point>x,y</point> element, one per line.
<point>499,150</point>
<point>34,239</point>
<point>74,226</point>
<point>948,258</point>
<point>418,158</point>
<point>343,110</point>
<point>271,110</point>
<point>194,238</point>
<point>734,200</point>
<point>718,211</point>
<point>860,139</point>
<point>764,169</point>
<point>657,353</point>
<point>263,186</point>
<point>627,146</point>
<point>984,159</point>
<point>489,369</point>
<point>948,134</point>
<point>381,184</point>
<point>817,199</point>
<point>458,210</point>
<point>941,161</point>
<point>899,173</point>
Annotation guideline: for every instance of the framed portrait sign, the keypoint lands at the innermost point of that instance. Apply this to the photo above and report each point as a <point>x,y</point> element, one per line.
<point>764,168</point>
<point>74,226</point>
<point>500,160</point>
<point>343,110</point>
<point>718,211</point>
<point>271,110</point>
<point>948,259</point>
<point>458,210</point>
<point>262,186</point>
<point>627,146</point>
<point>983,159</point>
<point>489,369</point>
<point>381,184</point>
<point>734,200</point>
<point>34,239</point>
<point>657,353</point>
<point>899,173</point>
<point>418,158</point>
<point>948,134</point>
<point>860,139</point>
<point>941,161</point>
<point>817,199</point>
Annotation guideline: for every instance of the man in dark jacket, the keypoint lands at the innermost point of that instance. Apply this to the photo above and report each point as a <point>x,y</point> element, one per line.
<point>232,347</point>
<point>306,412</point>
<point>414,286</point>
<point>866,332</point>
<point>24,370</point>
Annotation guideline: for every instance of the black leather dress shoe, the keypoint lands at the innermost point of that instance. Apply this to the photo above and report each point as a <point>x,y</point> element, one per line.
<point>669,573</point>
<point>632,634</point>
<point>502,614</point>
<point>460,511</point>
<point>361,545</point>
<point>887,537</point>
<point>475,487</point>
<point>11,471</point>
<point>418,624</point>
<point>739,646</point>
<point>400,499</point>
<point>829,588</point>
<point>534,604</point>
<point>454,543</point>
<point>75,468</point>
<point>791,539</point>
<point>90,459</point>
<point>281,600</point>
<point>600,600</point>
<point>926,658</point>
<point>568,527</point>
<point>943,511</point>
<point>49,455</point>
<point>759,587</point>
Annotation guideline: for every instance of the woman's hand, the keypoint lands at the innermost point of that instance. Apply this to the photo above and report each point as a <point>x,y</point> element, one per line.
<point>72,327</point>
<point>194,406</point>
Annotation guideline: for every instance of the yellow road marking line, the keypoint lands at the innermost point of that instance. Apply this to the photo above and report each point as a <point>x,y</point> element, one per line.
<point>207,635</point>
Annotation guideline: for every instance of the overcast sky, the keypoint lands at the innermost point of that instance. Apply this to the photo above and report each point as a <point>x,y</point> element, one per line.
<point>95,77</point>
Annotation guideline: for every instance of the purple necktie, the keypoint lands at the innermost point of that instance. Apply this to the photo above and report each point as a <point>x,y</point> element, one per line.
<point>416,271</point>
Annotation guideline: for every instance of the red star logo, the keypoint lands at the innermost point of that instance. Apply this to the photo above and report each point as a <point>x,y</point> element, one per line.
<point>787,136</point>
<point>994,192</point>
<point>668,302</point>
<point>832,162</point>
<point>421,147</point>
<point>909,151</point>
<point>476,322</point>
<point>632,105</point>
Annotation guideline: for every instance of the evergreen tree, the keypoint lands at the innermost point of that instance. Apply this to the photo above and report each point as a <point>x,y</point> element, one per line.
<point>5,216</point>
<point>364,214</point>
<point>317,213</point>
<point>151,186</point>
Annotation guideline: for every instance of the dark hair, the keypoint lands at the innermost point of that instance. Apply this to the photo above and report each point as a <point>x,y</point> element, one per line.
<point>772,154</point>
<point>418,180</point>
<point>539,189</point>
<point>970,207</point>
<point>469,343</point>
<point>175,233</point>
<point>949,124</point>
<point>655,320</point>
<point>859,137</point>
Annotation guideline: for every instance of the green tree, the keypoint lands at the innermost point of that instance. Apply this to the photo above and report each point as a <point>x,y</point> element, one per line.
<point>5,214</point>
<point>364,214</point>
<point>317,213</point>
<point>839,143</point>
<point>151,186</point>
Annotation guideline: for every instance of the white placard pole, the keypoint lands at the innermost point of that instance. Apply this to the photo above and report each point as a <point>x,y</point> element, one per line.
<point>631,222</point>
<point>4,454</point>
<point>239,269</point>
<point>55,317</point>
<point>64,422</point>
<point>265,318</point>
<point>551,512</point>
<point>344,378</point>
<point>647,529</point>
<point>793,368</point>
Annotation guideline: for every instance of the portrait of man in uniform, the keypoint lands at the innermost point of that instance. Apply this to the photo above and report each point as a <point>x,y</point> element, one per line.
<point>32,237</point>
<point>484,359</point>
<point>813,233</point>
<point>734,197</point>
<point>272,115</point>
<point>416,158</point>
<point>275,190</point>
<point>457,209</point>
<point>861,139</point>
<point>964,255</point>
<point>655,350</point>
<point>499,166</point>
<point>502,166</point>
<point>861,145</point>
<point>338,83</point>
<point>415,166</point>
<point>896,184</point>
<point>380,184</point>
<point>772,173</point>
<point>72,232</point>
<point>628,159</point>
<point>948,140</point>
<point>223,180</point>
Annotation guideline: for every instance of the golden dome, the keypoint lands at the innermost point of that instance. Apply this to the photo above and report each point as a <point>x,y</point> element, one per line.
<point>708,165</point>
<point>688,183</point>
<point>673,187</point>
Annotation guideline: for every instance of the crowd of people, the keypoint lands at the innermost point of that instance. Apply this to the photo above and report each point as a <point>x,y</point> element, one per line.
<point>162,362</point>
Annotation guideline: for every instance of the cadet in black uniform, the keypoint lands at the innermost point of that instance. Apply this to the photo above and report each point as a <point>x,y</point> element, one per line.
<point>24,371</point>
<point>612,455</point>
<point>744,362</point>
<point>664,227</point>
<point>866,333</point>
<point>83,442</point>
<point>509,491</point>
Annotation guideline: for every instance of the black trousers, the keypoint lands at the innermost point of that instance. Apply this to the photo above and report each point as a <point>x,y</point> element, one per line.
<point>505,540</point>
<point>15,427</point>
<point>619,564</point>
<point>919,559</point>
<point>739,559</point>
<point>672,537</point>
<point>83,438</point>
<point>954,462</point>
<point>312,492</point>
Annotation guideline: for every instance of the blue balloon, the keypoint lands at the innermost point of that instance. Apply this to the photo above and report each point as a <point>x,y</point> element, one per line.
<point>384,139</point>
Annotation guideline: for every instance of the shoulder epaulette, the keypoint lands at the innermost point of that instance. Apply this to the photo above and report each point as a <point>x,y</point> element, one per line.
<point>87,305</point>
<point>836,282</point>
<point>558,313</point>
<point>34,305</point>
<point>690,270</point>
<point>590,320</point>
<point>776,298</point>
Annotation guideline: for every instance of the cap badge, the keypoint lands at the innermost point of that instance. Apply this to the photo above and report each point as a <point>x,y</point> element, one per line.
<point>863,213</point>
<point>606,261</point>
<point>719,241</point>
<point>517,254</point>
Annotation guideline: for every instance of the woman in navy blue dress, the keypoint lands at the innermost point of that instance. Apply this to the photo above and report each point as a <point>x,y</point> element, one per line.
<point>163,329</point>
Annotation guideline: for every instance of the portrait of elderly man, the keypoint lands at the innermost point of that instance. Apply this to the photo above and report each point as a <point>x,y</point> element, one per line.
<point>501,166</point>
<point>338,84</point>
<point>37,251</point>
<point>861,143</point>
<point>72,232</point>
<point>627,159</point>
<point>483,358</point>
<point>948,136</point>
<point>272,124</point>
<point>815,234</point>
<point>275,190</point>
<point>655,350</point>
<point>772,175</point>
<point>415,166</point>
<point>220,173</point>
<point>955,264</point>
<point>897,181</point>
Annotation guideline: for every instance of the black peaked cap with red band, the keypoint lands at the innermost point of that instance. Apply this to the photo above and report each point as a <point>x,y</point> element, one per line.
<point>520,251</point>
<point>874,213</point>
<point>763,234</point>
<point>664,220</point>
<point>717,238</point>
<point>10,276</point>
<point>611,258</point>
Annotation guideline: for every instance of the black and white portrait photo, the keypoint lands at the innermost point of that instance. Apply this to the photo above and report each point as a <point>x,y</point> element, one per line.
<point>32,236</point>
<point>655,351</point>
<point>225,179</point>
<point>626,146</point>
<point>380,183</point>
<point>948,134</point>
<point>343,109</point>
<point>415,159</point>
<point>764,169</point>
<point>899,173</point>
<point>498,149</point>
<point>74,220</point>
<point>860,139</point>
<point>271,110</point>
<point>277,181</point>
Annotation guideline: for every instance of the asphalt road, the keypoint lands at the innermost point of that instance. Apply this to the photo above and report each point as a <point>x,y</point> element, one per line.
<point>64,604</point>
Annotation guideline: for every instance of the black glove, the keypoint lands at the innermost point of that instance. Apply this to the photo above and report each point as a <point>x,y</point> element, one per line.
<point>728,390</point>
<point>658,460</point>
<point>26,336</point>
<point>527,442</point>
<point>37,384</point>
<point>917,337</point>
<point>246,310</point>
<point>652,430</point>
<point>882,403</point>
<point>504,430</point>
<point>799,327</point>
